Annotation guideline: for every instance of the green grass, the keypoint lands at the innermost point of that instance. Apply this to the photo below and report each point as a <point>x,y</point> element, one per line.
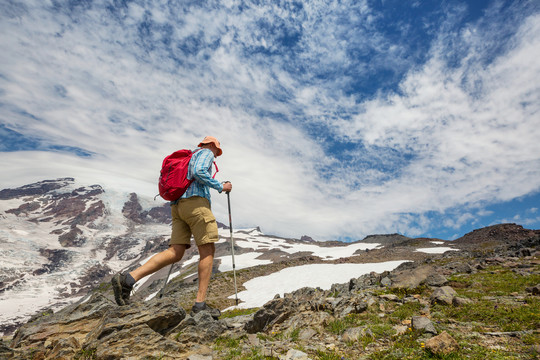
<point>493,303</point>
<point>328,355</point>
<point>494,307</point>
<point>237,312</point>
<point>494,281</point>
<point>231,349</point>
<point>337,326</point>
<point>403,292</point>
<point>294,335</point>
<point>494,314</point>
<point>407,311</point>
<point>382,330</point>
<point>85,354</point>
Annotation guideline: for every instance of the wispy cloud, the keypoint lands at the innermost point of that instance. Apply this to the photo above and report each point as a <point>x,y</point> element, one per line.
<point>339,119</point>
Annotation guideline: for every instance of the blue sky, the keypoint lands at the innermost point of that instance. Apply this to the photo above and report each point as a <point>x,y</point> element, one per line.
<point>337,119</point>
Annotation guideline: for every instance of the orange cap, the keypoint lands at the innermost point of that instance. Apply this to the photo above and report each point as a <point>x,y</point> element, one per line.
<point>211,139</point>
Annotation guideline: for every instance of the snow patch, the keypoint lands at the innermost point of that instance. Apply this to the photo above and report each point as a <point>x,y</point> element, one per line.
<point>263,289</point>
<point>436,250</point>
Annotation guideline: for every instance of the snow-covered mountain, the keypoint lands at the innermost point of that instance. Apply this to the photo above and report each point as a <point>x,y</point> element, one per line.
<point>59,240</point>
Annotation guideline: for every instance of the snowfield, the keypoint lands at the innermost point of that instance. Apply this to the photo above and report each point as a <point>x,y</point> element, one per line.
<point>436,250</point>
<point>263,289</point>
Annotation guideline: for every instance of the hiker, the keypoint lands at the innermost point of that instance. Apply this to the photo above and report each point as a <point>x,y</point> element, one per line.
<point>191,215</point>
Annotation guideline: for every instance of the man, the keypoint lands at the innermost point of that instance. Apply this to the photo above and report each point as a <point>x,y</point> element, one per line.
<point>191,215</point>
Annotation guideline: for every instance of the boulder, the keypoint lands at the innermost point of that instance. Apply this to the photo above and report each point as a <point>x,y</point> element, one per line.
<point>443,295</point>
<point>390,297</point>
<point>534,290</point>
<point>293,354</point>
<point>5,351</point>
<point>201,328</point>
<point>460,267</point>
<point>274,312</point>
<point>307,334</point>
<point>64,349</point>
<point>160,316</point>
<point>424,324</point>
<point>199,357</point>
<point>411,278</point>
<point>352,334</point>
<point>350,306</point>
<point>74,321</point>
<point>459,301</point>
<point>442,344</point>
<point>132,342</point>
<point>436,280</point>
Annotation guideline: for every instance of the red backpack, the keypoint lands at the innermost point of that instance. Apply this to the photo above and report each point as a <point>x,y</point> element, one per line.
<point>173,181</point>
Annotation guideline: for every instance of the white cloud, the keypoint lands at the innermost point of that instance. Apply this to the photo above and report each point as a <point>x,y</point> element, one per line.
<point>95,80</point>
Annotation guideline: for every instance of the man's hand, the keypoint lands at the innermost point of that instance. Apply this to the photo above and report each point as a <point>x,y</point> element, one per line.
<point>227,186</point>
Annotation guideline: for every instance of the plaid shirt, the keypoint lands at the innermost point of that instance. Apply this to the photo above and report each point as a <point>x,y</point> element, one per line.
<point>200,169</point>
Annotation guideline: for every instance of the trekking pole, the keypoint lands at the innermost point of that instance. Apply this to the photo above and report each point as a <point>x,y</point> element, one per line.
<point>232,248</point>
<point>165,285</point>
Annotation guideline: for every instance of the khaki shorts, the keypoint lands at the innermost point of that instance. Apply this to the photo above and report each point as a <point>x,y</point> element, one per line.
<point>193,216</point>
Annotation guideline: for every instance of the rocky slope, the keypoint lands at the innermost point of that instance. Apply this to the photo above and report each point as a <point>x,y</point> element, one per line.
<point>60,239</point>
<point>482,302</point>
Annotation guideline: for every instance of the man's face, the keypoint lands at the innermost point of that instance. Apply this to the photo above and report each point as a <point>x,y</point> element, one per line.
<point>212,148</point>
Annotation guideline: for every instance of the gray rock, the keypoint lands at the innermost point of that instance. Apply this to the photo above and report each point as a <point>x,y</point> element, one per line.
<point>442,344</point>
<point>389,297</point>
<point>352,307</point>
<point>132,342</point>
<point>237,322</point>
<point>273,312</point>
<point>443,295</point>
<point>352,334</point>
<point>424,324</point>
<point>436,280</point>
<point>64,349</point>
<point>199,357</point>
<point>524,252</point>
<point>460,267</point>
<point>411,278</point>
<point>160,316</point>
<point>5,351</point>
<point>295,355</point>
<point>535,290</point>
<point>307,334</point>
<point>459,301</point>
<point>200,328</point>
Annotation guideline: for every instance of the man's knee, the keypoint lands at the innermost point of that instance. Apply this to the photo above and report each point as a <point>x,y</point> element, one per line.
<point>178,251</point>
<point>206,250</point>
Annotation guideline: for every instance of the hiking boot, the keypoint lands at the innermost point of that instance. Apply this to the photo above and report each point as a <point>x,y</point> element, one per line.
<point>121,289</point>
<point>215,313</point>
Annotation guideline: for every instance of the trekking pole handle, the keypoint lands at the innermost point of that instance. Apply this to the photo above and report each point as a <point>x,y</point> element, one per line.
<point>226,182</point>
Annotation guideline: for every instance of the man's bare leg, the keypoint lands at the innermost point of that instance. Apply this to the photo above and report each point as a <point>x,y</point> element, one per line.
<point>173,254</point>
<point>206,262</point>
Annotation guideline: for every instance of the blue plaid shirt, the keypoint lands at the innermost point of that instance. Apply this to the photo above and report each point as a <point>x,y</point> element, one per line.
<point>200,169</point>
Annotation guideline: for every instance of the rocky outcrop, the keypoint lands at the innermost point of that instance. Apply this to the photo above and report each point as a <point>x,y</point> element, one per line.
<point>99,326</point>
<point>503,234</point>
<point>132,209</point>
